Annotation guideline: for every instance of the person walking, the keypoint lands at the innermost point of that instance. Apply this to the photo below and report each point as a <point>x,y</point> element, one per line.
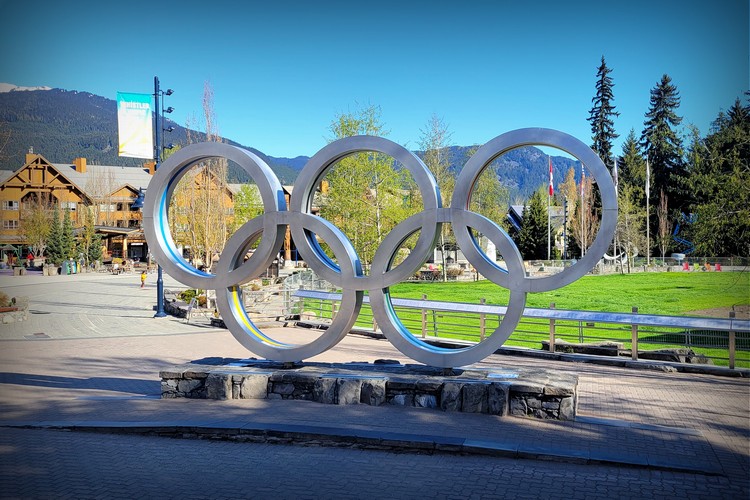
<point>143,278</point>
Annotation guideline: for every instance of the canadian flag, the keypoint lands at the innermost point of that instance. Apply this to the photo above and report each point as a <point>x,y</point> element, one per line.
<point>551,185</point>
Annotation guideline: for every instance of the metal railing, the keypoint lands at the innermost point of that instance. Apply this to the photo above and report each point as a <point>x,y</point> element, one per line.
<point>723,341</point>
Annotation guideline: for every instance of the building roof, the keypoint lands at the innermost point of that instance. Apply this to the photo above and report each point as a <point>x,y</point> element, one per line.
<point>111,178</point>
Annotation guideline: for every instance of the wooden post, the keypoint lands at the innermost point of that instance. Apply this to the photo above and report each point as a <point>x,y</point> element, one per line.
<point>424,318</point>
<point>634,338</point>
<point>482,322</point>
<point>552,330</point>
<point>731,343</point>
<point>333,309</point>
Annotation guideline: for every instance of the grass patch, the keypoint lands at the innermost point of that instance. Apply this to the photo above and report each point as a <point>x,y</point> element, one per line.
<point>677,294</point>
<point>653,293</point>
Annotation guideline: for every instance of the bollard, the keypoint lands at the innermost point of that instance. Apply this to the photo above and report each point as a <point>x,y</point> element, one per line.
<point>552,331</point>
<point>482,321</point>
<point>732,345</point>
<point>634,338</point>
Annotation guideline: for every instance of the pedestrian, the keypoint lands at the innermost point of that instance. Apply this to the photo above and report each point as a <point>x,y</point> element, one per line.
<point>143,278</point>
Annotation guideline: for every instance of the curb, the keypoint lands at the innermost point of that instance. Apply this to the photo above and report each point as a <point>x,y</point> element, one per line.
<point>308,435</point>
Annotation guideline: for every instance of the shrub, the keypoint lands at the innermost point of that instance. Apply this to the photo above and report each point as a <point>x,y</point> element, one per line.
<point>187,295</point>
<point>454,271</point>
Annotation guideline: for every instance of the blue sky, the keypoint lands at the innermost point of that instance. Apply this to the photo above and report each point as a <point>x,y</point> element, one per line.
<point>282,71</point>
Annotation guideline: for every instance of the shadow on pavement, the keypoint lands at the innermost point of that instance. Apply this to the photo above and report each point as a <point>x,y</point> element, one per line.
<point>132,386</point>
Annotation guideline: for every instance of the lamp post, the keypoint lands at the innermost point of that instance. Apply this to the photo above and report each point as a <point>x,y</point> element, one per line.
<point>158,152</point>
<point>565,228</point>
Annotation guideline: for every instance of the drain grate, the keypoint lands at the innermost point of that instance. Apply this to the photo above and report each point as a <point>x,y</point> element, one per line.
<point>37,336</point>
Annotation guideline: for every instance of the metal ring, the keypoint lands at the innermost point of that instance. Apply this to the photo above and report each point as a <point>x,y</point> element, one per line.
<point>232,270</point>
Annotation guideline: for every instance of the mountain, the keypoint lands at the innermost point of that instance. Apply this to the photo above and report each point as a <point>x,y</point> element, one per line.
<point>63,125</point>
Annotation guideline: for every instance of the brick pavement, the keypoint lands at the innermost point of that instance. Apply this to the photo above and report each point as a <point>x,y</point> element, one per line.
<point>87,465</point>
<point>109,376</point>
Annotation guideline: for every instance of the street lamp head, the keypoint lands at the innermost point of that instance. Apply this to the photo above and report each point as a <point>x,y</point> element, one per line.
<point>138,203</point>
<point>169,92</point>
<point>169,146</point>
<point>169,109</point>
<point>169,129</point>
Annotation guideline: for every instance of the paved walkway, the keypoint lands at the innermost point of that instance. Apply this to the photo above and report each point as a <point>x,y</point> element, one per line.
<point>81,363</point>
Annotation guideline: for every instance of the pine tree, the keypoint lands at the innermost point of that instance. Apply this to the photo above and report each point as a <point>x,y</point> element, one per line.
<point>532,239</point>
<point>67,238</point>
<point>602,114</point>
<point>661,144</point>
<point>54,243</point>
<point>719,180</point>
<point>632,169</point>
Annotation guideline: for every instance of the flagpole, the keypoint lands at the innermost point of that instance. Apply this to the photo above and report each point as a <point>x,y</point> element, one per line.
<point>549,216</point>
<point>617,236</point>
<point>648,216</point>
<point>549,226</point>
<point>583,206</point>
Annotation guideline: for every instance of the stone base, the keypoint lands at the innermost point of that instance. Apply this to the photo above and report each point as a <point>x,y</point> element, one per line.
<point>518,392</point>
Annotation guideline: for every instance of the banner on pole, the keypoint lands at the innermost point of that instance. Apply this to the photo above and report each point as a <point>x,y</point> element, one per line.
<point>135,125</point>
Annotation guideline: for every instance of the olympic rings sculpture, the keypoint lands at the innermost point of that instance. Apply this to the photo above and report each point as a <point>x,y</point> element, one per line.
<point>346,273</point>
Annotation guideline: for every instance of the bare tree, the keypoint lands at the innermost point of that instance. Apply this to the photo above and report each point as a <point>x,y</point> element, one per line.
<point>100,185</point>
<point>434,144</point>
<point>199,213</point>
<point>36,216</point>
<point>630,224</point>
<point>585,223</point>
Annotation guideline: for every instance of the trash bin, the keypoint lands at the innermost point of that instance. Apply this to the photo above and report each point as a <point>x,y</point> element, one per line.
<point>65,267</point>
<point>73,268</point>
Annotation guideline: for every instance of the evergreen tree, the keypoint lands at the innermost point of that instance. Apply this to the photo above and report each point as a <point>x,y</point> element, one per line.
<point>661,144</point>
<point>632,169</point>
<point>719,180</point>
<point>67,238</point>
<point>601,115</point>
<point>54,242</point>
<point>532,239</point>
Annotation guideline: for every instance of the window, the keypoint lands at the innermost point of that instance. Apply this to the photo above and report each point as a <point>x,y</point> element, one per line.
<point>107,208</point>
<point>10,205</point>
<point>10,224</point>
<point>68,205</point>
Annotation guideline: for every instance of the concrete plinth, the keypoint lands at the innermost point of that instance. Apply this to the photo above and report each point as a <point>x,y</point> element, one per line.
<point>518,392</point>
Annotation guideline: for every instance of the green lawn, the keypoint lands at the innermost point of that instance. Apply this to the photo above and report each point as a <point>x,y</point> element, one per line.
<point>693,293</point>
<point>653,293</point>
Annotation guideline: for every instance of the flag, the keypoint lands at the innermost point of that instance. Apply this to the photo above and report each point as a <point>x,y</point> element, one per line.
<point>583,179</point>
<point>614,174</point>
<point>551,186</point>
<point>134,125</point>
<point>648,178</point>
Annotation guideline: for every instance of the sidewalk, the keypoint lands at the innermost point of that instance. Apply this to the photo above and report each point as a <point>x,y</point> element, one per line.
<point>97,369</point>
